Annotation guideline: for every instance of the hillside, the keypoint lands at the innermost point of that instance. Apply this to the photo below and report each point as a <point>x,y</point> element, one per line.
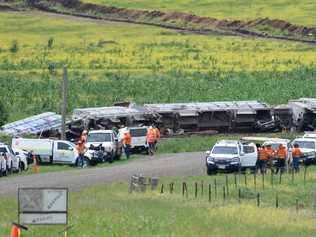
<point>298,12</point>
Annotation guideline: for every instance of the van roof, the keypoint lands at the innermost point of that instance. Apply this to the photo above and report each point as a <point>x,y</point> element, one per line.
<point>100,131</point>
<point>227,142</point>
<point>302,139</point>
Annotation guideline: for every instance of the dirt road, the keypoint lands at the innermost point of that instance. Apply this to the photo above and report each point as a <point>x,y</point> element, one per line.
<point>181,164</point>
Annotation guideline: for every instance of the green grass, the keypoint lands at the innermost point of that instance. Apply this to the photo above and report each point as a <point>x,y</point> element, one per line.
<point>299,12</point>
<point>108,210</point>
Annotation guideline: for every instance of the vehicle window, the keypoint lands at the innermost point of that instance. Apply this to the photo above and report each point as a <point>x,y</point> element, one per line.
<point>274,146</point>
<point>305,144</point>
<point>63,146</point>
<point>225,150</point>
<point>3,150</point>
<point>99,137</point>
<point>249,149</point>
<point>138,132</point>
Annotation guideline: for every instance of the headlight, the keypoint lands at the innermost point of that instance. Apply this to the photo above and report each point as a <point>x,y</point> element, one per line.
<point>310,154</point>
<point>235,159</point>
<point>210,159</point>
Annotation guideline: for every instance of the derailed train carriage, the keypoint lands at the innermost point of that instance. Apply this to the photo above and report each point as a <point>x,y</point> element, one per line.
<point>176,118</point>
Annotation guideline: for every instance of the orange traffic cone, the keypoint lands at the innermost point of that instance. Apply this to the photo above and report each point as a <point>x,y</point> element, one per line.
<point>15,231</point>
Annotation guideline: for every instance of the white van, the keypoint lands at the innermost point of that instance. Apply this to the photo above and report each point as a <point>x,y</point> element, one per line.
<point>139,137</point>
<point>308,148</point>
<point>231,155</point>
<point>50,151</point>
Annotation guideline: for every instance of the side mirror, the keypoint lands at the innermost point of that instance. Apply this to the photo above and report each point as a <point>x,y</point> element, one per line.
<point>16,153</point>
<point>208,153</point>
<point>70,148</point>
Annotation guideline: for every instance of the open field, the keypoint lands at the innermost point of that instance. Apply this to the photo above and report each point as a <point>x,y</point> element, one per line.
<point>299,12</point>
<point>108,210</point>
<point>118,61</point>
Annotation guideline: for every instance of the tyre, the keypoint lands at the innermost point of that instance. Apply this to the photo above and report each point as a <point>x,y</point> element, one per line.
<point>11,168</point>
<point>86,162</point>
<point>118,154</point>
<point>210,171</point>
<point>5,172</point>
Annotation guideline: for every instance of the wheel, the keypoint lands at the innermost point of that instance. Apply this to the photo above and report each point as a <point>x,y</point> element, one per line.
<point>5,172</point>
<point>210,171</point>
<point>21,167</point>
<point>11,168</point>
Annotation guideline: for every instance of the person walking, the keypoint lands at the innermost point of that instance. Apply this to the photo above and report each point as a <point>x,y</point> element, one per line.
<point>151,138</point>
<point>262,159</point>
<point>127,142</point>
<point>81,148</point>
<point>281,158</point>
<point>296,154</point>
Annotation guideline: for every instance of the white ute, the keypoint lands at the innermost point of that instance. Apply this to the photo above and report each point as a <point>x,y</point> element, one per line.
<point>50,151</point>
<point>139,137</point>
<point>231,155</point>
<point>308,148</point>
<point>108,141</point>
<point>12,162</point>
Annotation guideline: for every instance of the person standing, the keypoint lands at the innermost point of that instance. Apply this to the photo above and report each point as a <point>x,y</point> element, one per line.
<point>157,137</point>
<point>127,142</point>
<point>262,159</point>
<point>151,138</point>
<point>84,136</point>
<point>296,154</point>
<point>81,148</point>
<point>270,154</point>
<point>281,156</point>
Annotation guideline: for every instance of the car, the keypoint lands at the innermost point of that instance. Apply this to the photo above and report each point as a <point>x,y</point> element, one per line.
<point>24,157</point>
<point>13,162</point>
<point>105,141</point>
<point>231,155</point>
<point>139,138</point>
<point>308,148</point>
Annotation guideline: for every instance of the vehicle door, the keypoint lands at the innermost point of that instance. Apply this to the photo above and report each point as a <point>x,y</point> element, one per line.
<point>15,159</point>
<point>63,153</point>
<point>249,155</point>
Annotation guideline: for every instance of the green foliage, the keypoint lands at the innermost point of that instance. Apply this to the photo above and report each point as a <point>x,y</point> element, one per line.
<point>14,48</point>
<point>50,43</point>
<point>3,114</point>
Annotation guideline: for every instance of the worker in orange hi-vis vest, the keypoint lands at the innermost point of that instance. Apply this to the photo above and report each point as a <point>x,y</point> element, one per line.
<point>127,142</point>
<point>281,156</point>
<point>157,135</point>
<point>296,154</point>
<point>81,148</point>
<point>151,138</point>
<point>35,167</point>
<point>270,153</point>
<point>262,159</point>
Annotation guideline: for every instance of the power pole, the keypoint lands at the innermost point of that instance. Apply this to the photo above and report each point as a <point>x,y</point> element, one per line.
<point>64,103</point>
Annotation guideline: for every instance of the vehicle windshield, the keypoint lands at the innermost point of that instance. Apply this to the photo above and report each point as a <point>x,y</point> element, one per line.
<point>225,150</point>
<point>138,132</point>
<point>305,144</point>
<point>3,150</point>
<point>274,146</point>
<point>99,137</point>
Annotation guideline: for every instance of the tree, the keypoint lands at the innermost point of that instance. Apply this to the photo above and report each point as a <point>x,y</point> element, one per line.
<point>3,114</point>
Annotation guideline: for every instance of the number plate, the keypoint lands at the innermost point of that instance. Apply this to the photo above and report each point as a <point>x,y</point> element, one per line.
<point>222,166</point>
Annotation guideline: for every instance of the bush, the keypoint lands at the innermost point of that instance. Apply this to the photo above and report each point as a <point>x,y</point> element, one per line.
<point>50,43</point>
<point>3,114</point>
<point>14,47</point>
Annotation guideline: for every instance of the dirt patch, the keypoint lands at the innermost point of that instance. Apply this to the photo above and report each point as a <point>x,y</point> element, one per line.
<point>262,27</point>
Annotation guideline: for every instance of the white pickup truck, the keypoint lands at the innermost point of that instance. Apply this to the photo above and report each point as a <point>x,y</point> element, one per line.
<point>13,163</point>
<point>139,138</point>
<point>51,151</point>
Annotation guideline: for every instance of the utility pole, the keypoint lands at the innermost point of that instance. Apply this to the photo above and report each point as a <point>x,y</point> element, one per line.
<point>64,103</point>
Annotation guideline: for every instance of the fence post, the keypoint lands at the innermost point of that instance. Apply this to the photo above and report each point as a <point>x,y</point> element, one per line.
<point>292,176</point>
<point>215,187</point>
<point>210,193</point>
<point>224,194</point>
<point>161,190</point>
<point>280,181</point>
<point>195,190</point>
<point>202,188</point>
<point>258,199</point>
<point>255,180</point>
<point>263,180</point>
<point>305,171</point>
<point>235,180</point>
<point>296,204</point>
<point>272,177</point>
<point>245,175</point>
<point>171,187</point>
<point>227,185</point>
<point>239,195</point>
<point>276,200</point>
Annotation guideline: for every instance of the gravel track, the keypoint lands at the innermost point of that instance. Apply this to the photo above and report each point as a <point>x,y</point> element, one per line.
<point>180,164</point>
